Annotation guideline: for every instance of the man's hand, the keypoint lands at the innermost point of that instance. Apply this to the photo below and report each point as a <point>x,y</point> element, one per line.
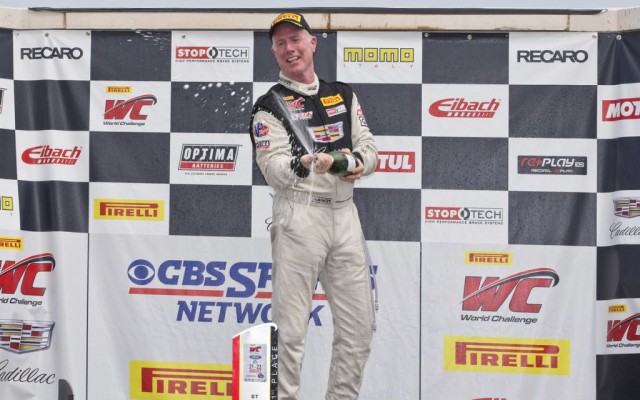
<point>357,172</point>
<point>321,164</point>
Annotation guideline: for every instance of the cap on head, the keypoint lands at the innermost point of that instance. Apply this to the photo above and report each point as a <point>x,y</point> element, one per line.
<point>291,18</point>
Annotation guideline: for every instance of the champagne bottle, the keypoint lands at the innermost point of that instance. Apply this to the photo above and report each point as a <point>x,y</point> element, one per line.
<point>343,164</point>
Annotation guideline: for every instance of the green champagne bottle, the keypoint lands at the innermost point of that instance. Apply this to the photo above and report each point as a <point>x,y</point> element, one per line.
<point>343,164</point>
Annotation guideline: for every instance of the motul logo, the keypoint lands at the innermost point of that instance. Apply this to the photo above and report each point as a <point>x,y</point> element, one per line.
<point>461,108</point>
<point>23,274</point>
<point>48,155</point>
<point>616,110</point>
<point>492,293</point>
<point>396,161</point>
<point>617,330</point>
<point>120,109</point>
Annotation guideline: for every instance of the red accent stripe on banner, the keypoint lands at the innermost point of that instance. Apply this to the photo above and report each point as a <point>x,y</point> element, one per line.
<point>177,292</point>
<point>235,368</point>
<point>267,295</point>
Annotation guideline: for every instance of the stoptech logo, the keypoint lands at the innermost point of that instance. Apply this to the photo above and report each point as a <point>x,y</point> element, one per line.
<point>242,290</point>
<point>135,210</point>
<point>218,54</point>
<point>507,356</point>
<point>208,157</point>
<point>552,165</point>
<point>490,294</point>
<point>131,109</point>
<point>151,380</point>
<point>463,215</point>
<point>20,337</point>
<point>396,161</point>
<point>462,108</point>
<point>552,56</point>
<point>46,154</point>
<point>488,258</point>
<point>11,243</point>
<point>378,55</point>
<point>624,333</point>
<point>620,109</point>
<point>626,207</point>
<point>21,275</point>
<point>48,53</point>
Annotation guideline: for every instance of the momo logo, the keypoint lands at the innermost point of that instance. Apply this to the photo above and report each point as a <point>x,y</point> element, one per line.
<point>552,56</point>
<point>151,380</point>
<point>208,157</point>
<point>488,257</point>
<point>11,243</point>
<point>20,337</point>
<point>462,108</point>
<point>46,154</point>
<point>463,215</point>
<point>620,109</point>
<point>552,165</point>
<point>213,53</point>
<point>136,210</point>
<point>626,207</point>
<point>624,333</point>
<point>396,161</point>
<point>491,293</point>
<point>507,355</point>
<point>327,133</point>
<point>378,55</point>
<point>21,275</point>
<point>128,109</point>
<point>48,53</point>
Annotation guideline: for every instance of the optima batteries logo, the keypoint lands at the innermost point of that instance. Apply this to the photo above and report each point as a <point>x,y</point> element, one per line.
<point>218,54</point>
<point>242,290</point>
<point>624,333</point>
<point>463,108</point>
<point>11,243</point>
<point>153,380</point>
<point>507,355</point>
<point>208,157</point>
<point>396,161</point>
<point>552,165</point>
<point>19,336</point>
<point>620,109</point>
<point>136,210</point>
<point>46,154</point>
<point>464,215</point>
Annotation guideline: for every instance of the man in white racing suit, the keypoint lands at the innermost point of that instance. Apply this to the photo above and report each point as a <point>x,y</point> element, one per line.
<point>316,232</point>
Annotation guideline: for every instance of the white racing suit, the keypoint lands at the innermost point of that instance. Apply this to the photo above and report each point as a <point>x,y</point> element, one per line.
<point>316,231</point>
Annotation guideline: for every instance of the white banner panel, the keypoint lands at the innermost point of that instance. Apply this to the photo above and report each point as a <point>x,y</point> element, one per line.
<point>618,111</point>
<point>43,294</point>
<point>617,218</point>
<point>52,155</point>
<point>553,165</point>
<point>9,205</point>
<point>552,58</point>
<point>52,54</point>
<point>617,324</point>
<point>508,321</point>
<point>261,211</point>
<point>399,164</point>
<point>7,107</point>
<point>123,106</point>
<point>211,159</point>
<point>465,110</point>
<point>212,56</point>
<point>462,216</point>
<point>379,57</point>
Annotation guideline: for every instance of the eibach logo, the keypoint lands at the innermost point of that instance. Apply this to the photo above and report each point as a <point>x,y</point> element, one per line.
<point>396,161</point>
<point>50,155</point>
<point>491,293</point>
<point>21,275</point>
<point>459,107</point>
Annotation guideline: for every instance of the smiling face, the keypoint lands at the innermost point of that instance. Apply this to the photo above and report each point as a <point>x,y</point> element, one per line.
<point>293,48</point>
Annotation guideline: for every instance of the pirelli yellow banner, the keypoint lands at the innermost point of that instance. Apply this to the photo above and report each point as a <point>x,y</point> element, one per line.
<point>140,210</point>
<point>151,380</point>
<point>507,355</point>
<point>11,243</point>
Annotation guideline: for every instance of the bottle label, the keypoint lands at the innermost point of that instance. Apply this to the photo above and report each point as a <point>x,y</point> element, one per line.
<point>352,163</point>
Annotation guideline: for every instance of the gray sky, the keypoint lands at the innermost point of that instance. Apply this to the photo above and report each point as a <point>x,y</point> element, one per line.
<point>538,4</point>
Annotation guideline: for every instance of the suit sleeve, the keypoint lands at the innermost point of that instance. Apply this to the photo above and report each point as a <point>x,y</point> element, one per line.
<point>362,138</point>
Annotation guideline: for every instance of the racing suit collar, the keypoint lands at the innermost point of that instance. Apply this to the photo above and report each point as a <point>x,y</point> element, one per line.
<point>307,89</point>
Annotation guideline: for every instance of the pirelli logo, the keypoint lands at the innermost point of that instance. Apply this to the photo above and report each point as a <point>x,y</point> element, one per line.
<point>331,100</point>
<point>294,17</point>
<point>488,257</point>
<point>617,308</point>
<point>11,243</point>
<point>151,380</point>
<point>507,355</point>
<point>137,210</point>
<point>120,89</point>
